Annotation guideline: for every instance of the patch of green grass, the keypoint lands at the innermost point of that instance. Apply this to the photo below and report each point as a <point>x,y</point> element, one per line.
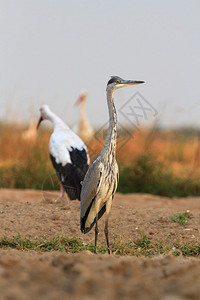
<point>148,175</point>
<point>140,247</point>
<point>59,243</point>
<point>181,218</point>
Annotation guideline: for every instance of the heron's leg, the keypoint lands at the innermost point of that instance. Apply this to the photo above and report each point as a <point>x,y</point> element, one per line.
<point>108,207</point>
<point>97,205</point>
<point>106,233</point>
<point>96,233</point>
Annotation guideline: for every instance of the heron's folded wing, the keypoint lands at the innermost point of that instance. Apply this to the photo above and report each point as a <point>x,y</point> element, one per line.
<point>91,185</point>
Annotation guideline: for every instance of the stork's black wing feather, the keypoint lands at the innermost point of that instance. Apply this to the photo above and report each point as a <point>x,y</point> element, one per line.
<point>72,174</point>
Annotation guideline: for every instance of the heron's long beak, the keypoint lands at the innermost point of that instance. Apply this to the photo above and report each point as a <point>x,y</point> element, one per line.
<point>40,120</point>
<point>131,82</point>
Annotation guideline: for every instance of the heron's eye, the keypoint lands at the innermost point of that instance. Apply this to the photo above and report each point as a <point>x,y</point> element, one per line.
<point>117,81</point>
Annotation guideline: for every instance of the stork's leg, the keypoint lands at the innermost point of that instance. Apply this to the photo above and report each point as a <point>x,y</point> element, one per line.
<point>106,233</point>
<point>61,191</point>
<point>61,195</point>
<point>96,233</point>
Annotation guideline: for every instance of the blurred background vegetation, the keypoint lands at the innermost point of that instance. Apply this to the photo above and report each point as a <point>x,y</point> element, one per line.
<point>152,160</point>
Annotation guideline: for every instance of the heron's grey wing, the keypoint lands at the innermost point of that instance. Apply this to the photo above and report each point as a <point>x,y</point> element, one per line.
<point>91,185</point>
<point>116,179</point>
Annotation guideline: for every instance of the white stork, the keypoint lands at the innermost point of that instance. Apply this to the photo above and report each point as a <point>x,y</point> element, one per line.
<point>68,154</point>
<point>85,130</point>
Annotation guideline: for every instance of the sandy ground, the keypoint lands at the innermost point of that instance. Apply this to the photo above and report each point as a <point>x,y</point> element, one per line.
<point>31,275</point>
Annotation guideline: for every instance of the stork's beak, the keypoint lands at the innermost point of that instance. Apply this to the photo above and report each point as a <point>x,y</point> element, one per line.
<point>81,98</point>
<point>131,82</point>
<point>78,101</point>
<point>40,120</point>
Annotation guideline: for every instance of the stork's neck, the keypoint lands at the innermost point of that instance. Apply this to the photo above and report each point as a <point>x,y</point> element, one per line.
<point>82,111</point>
<point>57,122</point>
<point>110,143</point>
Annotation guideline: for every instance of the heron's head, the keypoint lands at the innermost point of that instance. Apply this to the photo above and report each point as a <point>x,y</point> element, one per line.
<point>44,114</point>
<point>117,82</point>
<point>82,97</point>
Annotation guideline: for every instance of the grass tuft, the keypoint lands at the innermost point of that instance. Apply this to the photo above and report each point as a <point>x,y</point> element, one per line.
<point>139,247</point>
<point>181,218</point>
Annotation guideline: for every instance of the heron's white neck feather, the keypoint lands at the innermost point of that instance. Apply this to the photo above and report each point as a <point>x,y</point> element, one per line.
<point>110,143</point>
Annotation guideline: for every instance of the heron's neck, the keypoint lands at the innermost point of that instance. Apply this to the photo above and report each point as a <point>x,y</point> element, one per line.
<point>110,143</point>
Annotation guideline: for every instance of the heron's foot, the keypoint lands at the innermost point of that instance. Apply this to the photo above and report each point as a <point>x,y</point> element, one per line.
<point>96,236</point>
<point>106,235</point>
<point>95,250</point>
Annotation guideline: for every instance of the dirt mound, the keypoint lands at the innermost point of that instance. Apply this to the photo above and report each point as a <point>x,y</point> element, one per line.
<point>87,276</point>
<point>58,275</point>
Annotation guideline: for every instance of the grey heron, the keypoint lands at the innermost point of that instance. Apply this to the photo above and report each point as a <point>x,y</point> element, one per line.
<point>101,180</point>
<point>85,130</point>
<point>68,154</point>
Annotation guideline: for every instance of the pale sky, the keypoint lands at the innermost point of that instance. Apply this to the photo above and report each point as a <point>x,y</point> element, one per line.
<point>51,50</point>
